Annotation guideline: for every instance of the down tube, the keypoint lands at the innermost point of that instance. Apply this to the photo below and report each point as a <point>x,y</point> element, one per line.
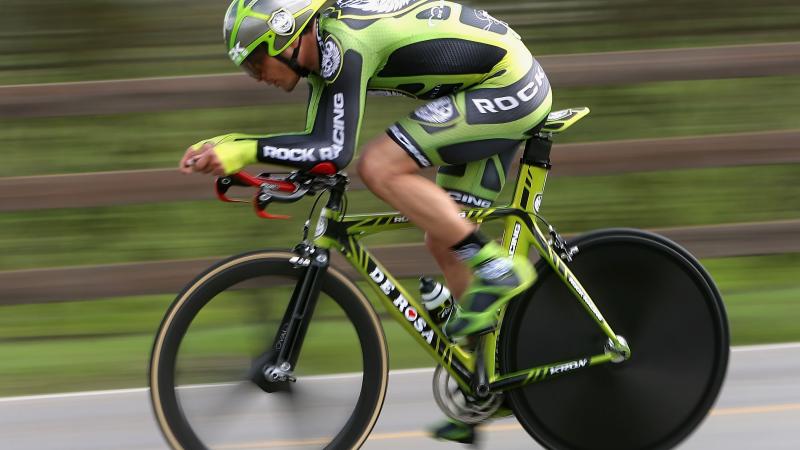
<point>411,315</point>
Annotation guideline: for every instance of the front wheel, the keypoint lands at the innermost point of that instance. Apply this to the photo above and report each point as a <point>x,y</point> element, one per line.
<point>207,382</point>
<point>656,295</point>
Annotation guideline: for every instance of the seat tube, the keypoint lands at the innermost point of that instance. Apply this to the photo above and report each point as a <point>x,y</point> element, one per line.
<point>529,191</point>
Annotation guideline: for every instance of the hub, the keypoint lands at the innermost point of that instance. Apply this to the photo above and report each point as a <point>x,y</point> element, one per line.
<point>269,377</point>
<point>619,352</point>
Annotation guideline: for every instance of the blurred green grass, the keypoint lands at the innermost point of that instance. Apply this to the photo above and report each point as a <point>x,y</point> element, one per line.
<point>54,40</point>
<point>36,146</point>
<point>182,230</point>
<point>105,344</point>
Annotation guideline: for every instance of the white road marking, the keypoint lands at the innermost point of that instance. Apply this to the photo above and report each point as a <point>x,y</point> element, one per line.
<point>393,373</point>
<point>765,347</point>
<point>344,376</point>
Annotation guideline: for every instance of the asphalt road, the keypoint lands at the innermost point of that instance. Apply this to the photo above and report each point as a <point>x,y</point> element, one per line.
<point>759,408</point>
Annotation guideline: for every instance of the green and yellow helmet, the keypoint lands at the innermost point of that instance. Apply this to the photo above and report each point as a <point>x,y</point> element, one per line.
<point>275,23</point>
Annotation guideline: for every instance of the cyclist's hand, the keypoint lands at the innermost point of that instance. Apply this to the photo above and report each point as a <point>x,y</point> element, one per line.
<point>201,159</point>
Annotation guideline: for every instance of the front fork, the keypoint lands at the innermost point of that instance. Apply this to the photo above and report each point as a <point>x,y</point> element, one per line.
<point>288,340</point>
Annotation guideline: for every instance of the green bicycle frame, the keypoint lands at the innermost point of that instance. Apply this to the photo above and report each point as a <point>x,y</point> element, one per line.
<point>343,232</point>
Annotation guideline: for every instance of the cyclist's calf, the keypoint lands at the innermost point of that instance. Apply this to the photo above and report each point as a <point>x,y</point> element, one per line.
<point>456,274</point>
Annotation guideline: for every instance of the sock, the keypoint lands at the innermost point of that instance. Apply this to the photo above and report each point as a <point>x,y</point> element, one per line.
<point>469,246</point>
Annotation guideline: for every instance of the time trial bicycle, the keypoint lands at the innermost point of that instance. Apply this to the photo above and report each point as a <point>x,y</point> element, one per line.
<point>273,348</point>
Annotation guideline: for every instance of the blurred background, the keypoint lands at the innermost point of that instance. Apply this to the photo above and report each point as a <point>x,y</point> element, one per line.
<point>694,130</point>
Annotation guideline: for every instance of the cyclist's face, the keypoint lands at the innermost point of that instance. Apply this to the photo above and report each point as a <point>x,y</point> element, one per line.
<point>262,67</point>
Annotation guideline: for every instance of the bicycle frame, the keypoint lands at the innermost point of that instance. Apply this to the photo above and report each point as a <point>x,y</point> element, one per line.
<point>336,231</point>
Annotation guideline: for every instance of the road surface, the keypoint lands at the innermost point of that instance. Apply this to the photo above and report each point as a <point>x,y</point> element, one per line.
<point>759,408</point>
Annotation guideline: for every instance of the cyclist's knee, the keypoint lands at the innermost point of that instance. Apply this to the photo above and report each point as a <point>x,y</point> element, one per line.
<point>382,160</point>
<point>368,168</point>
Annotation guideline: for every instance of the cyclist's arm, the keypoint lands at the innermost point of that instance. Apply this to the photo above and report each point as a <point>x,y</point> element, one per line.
<point>334,117</point>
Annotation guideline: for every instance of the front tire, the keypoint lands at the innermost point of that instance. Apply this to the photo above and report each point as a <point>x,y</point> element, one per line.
<point>656,295</point>
<point>224,324</point>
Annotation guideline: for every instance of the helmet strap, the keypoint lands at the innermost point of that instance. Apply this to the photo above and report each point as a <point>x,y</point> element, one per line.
<point>302,72</point>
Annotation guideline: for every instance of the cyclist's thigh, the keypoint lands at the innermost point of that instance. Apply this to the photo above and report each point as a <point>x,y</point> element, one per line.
<point>477,183</point>
<point>477,131</point>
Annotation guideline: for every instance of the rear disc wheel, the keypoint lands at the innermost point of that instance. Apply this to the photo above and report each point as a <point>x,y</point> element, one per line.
<point>656,295</point>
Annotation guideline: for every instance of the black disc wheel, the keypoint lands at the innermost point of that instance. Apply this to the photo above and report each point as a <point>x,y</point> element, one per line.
<point>207,382</point>
<point>655,295</point>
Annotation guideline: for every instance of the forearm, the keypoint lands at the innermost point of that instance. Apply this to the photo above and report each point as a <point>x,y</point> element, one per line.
<point>237,150</point>
<point>333,120</point>
<point>305,152</point>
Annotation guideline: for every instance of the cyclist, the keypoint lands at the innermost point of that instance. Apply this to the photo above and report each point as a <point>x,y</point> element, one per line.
<point>487,95</point>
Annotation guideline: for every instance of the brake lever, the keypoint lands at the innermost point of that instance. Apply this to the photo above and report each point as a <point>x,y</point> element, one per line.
<point>223,184</point>
<point>267,195</point>
<point>261,201</point>
<point>286,190</point>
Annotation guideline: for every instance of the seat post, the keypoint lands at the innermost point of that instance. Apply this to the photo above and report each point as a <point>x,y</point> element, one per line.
<point>537,152</point>
<point>533,169</point>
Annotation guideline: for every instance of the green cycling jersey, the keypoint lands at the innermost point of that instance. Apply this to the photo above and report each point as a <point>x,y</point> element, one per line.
<point>487,93</point>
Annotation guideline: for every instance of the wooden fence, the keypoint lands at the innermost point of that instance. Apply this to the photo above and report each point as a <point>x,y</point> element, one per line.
<point>160,277</point>
<point>121,188</point>
<point>596,158</point>
<point>212,91</point>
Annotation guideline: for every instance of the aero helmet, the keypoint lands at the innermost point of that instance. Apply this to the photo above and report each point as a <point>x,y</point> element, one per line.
<point>274,23</point>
